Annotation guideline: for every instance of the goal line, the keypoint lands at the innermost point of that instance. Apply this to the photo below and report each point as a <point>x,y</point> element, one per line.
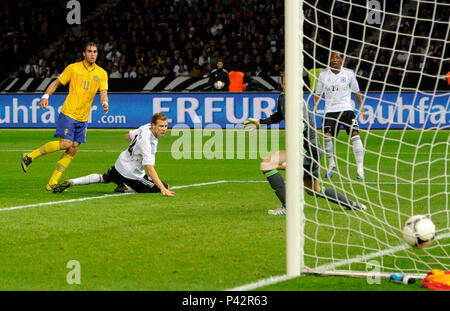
<point>327,270</point>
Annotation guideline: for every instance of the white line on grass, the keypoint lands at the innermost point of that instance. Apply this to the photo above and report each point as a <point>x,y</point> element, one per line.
<point>374,255</point>
<point>250,286</point>
<point>281,278</point>
<point>261,283</point>
<point>218,182</point>
<point>3,209</point>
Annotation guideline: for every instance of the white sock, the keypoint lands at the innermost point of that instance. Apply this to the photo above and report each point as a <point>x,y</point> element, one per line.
<point>86,180</point>
<point>328,142</point>
<point>358,151</point>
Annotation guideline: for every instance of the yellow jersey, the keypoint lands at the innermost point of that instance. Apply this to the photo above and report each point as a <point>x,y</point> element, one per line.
<point>84,84</point>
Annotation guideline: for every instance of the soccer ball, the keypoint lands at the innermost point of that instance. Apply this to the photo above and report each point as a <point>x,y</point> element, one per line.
<point>219,85</point>
<point>419,231</point>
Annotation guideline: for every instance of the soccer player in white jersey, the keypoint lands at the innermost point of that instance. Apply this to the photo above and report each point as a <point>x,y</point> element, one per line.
<point>312,154</point>
<point>337,83</point>
<point>129,171</point>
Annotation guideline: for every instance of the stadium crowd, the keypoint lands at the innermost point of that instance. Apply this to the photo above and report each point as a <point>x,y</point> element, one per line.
<point>396,53</point>
<point>29,27</point>
<point>146,38</point>
<point>161,38</point>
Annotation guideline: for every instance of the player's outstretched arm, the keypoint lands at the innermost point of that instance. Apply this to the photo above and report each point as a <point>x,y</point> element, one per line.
<point>155,178</point>
<point>50,90</point>
<point>316,102</point>
<point>104,100</point>
<point>251,123</point>
<point>359,100</point>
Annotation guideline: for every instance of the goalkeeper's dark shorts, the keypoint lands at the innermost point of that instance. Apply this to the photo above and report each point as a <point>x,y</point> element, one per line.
<point>311,159</point>
<point>142,185</point>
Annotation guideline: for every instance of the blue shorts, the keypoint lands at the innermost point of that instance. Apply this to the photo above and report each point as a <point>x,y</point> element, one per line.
<point>70,129</point>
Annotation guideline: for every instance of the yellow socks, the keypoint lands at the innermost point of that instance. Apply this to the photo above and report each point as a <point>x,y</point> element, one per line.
<point>47,148</point>
<point>61,165</point>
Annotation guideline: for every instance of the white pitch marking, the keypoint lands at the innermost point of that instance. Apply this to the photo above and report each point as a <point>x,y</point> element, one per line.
<point>250,286</point>
<point>60,202</point>
<point>374,255</point>
<point>120,194</point>
<point>265,282</point>
<point>281,278</point>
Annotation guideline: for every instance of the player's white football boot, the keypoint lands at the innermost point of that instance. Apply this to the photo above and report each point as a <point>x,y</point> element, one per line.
<point>279,211</point>
<point>358,206</point>
<point>360,174</point>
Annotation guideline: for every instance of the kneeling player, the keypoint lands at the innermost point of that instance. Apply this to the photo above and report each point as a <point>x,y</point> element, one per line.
<point>129,171</point>
<point>311,160</point>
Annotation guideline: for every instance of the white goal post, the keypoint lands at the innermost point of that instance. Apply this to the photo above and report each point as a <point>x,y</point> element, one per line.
<point>400,54</point>
<point>294,127</point>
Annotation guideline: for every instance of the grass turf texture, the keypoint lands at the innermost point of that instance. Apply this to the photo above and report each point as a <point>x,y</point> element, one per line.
<point>212,237</point>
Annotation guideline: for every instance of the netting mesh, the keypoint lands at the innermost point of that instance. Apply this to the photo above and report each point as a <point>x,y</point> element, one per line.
<point>399,51</point>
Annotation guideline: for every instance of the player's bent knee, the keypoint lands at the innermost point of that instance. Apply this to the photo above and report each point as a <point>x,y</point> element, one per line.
<point>317,187</point>
<point>271,163</point>
<point>65,144</point>
<point>268,166</point>
<point>264,164</point>
<point>312,187</point>
<point>73,150</point>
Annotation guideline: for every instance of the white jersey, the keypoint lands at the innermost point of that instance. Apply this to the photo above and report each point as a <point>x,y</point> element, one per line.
<point>338,89</point>
<point>141,152</point>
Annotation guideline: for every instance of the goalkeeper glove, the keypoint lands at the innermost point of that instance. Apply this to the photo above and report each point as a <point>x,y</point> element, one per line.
<point>251,124</point>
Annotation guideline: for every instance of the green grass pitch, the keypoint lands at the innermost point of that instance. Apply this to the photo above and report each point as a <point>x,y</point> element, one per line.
<point>214,236</point>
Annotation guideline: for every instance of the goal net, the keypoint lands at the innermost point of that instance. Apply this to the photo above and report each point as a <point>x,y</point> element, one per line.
<point>399,51</point>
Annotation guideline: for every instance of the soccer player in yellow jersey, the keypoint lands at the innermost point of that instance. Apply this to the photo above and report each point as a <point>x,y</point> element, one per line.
<point>85,78</point>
